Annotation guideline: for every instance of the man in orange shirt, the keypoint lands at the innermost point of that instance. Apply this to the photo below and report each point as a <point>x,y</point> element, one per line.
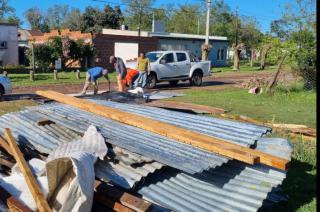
<point>131,76</point>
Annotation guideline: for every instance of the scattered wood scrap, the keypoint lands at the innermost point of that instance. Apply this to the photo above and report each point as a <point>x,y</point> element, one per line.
<point>14,204</point>
<point>31,181</point>
<point>208,143</point>
<point>186,107</point>
<point>106,194</point>
<point>293,129</point>
<point>45,122</point>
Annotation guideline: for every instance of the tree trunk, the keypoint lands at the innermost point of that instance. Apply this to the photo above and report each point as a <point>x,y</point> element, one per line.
<point>275,77</point>
<point>236,65</point>
<point>264,52</point>
<point>251,59</point>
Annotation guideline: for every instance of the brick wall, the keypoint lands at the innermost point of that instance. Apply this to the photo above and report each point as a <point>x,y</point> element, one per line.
<point>105,46</point>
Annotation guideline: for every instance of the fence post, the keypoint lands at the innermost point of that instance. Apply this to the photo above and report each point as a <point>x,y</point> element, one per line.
<point>55,74</point>
<point>5,73</point>
<point>31,73</point>
<point>78,74</point>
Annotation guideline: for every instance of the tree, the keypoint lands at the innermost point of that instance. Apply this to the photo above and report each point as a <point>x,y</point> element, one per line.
<point>279,29</point>
<point>236,62</point>
<point>185,19</point>
<point>300,18</point>
<point>112,17</point>
<point>13,19</point>
<point>5,9</point>
<point>57,15</point>
<point>139,14</point>
<point>7,13</point>
<point>94,20</point>
<point>72,20</point>
<point>34,17</point>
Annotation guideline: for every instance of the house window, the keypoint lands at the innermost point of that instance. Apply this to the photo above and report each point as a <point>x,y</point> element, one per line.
<point>220,54</point>
<point>3,44</point>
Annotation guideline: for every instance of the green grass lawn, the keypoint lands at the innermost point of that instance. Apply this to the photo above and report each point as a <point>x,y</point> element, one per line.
<point>47,78</point>
<point>300,183</point>
<point>282,107</point>
<point>12,106</point>
<point>243,68</point>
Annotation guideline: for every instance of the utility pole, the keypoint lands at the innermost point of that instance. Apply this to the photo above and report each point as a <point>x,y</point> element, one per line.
<point>206,47</point>
<point>198,25</point>
<point>208,21</point>
<point>237,26</point>
<point>139,26</point>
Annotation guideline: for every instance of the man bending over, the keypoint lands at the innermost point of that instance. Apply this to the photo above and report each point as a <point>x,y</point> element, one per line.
<point>93,75</point>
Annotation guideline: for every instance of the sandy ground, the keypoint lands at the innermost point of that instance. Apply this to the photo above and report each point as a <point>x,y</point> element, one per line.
<point>214,82</point>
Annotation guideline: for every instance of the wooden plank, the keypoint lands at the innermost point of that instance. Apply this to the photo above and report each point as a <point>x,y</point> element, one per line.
<point>32,183</point>
<point>115,206</point>
<point>186,106</point>
<point>14,204</point>
<point>5,145</point>
<point>208,143</point>
<point>124,198</point>
<point>6,163</point>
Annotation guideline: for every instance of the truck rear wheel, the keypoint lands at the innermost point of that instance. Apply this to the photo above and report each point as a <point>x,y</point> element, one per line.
<point>196,79</point>
<point>151,81</point>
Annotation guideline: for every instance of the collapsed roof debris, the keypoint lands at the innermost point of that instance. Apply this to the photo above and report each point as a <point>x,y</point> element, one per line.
<point>194,179</point>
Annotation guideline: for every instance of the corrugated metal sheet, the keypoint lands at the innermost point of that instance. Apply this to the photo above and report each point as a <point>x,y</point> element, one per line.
<point>124,169</point>
<point>159,148</point>
<point>237,132</point>
<point>232,187</point>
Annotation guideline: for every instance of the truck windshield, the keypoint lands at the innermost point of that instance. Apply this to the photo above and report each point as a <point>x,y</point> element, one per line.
<point>153,56</point>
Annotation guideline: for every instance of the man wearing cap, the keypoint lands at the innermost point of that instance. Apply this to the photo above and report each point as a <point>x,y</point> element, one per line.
<point>92,76</point>
<point>120,69</point>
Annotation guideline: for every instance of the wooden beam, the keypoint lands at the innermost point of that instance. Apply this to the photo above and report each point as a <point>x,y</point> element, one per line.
<point>32,183</point>
<point>5,145</point>
<point>208,143</point>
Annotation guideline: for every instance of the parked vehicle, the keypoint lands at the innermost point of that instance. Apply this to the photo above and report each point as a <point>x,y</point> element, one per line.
<point>5,85</point>
<point>174,66</point>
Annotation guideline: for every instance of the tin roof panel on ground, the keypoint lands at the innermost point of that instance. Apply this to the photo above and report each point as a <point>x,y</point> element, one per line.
<point>232,187</point>
<point>157,147</point>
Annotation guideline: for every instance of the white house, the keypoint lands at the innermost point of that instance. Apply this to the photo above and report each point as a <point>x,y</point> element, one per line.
<point>8,44</point>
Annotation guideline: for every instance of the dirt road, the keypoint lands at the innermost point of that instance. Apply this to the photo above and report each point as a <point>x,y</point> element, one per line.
<point>219,81</point>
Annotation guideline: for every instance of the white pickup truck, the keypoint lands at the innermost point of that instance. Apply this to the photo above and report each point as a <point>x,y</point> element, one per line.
<point>173,66</point>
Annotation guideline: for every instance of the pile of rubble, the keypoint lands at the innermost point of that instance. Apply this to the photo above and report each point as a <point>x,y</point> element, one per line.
<point>83,161</point>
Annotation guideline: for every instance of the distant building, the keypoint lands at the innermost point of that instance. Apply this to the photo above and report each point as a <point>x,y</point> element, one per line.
<point>8,44</point>
<point>73,35</point>
<point>24,36</point>
<point>127,44</point>
<point>193,43</point>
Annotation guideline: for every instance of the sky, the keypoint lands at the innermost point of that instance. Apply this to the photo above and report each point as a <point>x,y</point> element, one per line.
<point>263,10</point>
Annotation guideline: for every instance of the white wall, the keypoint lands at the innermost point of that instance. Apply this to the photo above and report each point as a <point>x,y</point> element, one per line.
<point>9,33</point>
<point>126,51</point>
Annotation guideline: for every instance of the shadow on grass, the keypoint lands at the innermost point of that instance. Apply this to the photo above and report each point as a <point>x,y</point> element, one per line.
<point>299,186</point>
